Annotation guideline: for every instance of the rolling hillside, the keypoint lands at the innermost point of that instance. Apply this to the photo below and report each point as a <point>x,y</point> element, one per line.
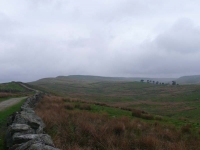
<point>93,105</point>
<point>195,79</point>
<point>167,100</point>
<point>85,78</point>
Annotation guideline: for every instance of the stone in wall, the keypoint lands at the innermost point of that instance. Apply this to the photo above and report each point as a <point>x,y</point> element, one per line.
<point>25,129</point>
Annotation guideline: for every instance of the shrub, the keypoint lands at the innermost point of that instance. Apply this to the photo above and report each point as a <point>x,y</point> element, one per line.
<point>183,119</point>
<point>186,128</point>
<point>118,128</point>
<point>136,113</point>
<point>147,116</point>
<point>77,105</point>
<point>69,106</point>
<point>85,107</point>
<point>148,143</point>
<point>66,100</point>
<point>159,118</point>
<point>199,131</point>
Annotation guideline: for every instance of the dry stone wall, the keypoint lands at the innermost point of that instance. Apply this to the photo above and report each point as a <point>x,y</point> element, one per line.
<point>25,129</point>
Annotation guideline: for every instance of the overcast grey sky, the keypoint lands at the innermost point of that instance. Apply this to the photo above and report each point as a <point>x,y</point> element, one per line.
<point>148,38</point>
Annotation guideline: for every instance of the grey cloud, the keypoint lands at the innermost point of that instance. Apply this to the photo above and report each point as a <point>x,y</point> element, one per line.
<point>7,25</point>
<point>183,37</point>
<point>109,38</point>
<point>175,51</point>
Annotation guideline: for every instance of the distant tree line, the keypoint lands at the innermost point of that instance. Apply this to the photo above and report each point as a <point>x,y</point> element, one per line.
<point>157,82</point>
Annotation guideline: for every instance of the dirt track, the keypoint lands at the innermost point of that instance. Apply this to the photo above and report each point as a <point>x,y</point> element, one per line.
<point>10,102</point>
<point>29,88</point>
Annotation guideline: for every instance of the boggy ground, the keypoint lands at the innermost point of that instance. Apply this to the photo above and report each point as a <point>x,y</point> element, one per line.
<point>77,126</point>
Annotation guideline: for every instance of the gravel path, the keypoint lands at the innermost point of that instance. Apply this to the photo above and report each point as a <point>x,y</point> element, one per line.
<point>29,88</point>
<point>10,102</point>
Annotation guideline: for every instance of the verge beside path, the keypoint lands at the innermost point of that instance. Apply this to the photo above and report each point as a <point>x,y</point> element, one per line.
<point>12,101</point>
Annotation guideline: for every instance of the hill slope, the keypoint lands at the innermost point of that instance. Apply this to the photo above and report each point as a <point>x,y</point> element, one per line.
<point>167,100</point>
<point>87,78</point>
<point>195,79</point>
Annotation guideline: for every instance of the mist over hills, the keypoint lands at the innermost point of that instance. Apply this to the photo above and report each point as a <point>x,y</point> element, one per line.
<point>194,79</point>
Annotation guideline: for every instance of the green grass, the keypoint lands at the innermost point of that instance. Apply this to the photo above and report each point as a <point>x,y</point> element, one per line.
<point>13,89</point>
<point>12,86</point>
<point>113,112</point>
<point>173,102</point>
<point>124,91</point>
<point>117,113</point>
<point>3,120</point>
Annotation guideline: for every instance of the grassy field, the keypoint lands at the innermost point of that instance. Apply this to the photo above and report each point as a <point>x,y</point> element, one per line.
<point>177,102</point>
<point>83,125</point>
<point>3,121</point>
<point>167,114</point>
<point>12,89</point>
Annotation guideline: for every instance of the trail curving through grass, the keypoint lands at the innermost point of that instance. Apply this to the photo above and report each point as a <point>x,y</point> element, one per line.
<point>10,102</point>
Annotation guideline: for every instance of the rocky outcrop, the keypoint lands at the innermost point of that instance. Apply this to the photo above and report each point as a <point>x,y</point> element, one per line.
<point>25,129</point>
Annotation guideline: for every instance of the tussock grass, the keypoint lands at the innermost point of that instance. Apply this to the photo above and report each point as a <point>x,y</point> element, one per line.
<point>4,94</point>
<point>75,129</point>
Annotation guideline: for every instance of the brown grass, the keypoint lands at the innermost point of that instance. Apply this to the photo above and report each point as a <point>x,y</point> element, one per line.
<point>83,130</point>
<point>5,94</point>
<point>182,119</point>
<point>69,106</point>
<point>86,106</point>
<point>186,128</point>
<point>142,114</point>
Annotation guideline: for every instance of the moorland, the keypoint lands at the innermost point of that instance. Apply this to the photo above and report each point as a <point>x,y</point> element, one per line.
<point>91,112</point>
<point>113,113</point>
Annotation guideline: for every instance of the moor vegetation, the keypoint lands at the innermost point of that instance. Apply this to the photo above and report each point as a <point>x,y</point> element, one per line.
<point>5,94</point>
<point>12,89</point>
<point>76,125</point>
<point>174,101</point>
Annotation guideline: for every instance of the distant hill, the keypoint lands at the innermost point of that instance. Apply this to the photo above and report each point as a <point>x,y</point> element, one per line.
<point>195,79</point>
<point>87,78</point>
<point>12,87</point>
